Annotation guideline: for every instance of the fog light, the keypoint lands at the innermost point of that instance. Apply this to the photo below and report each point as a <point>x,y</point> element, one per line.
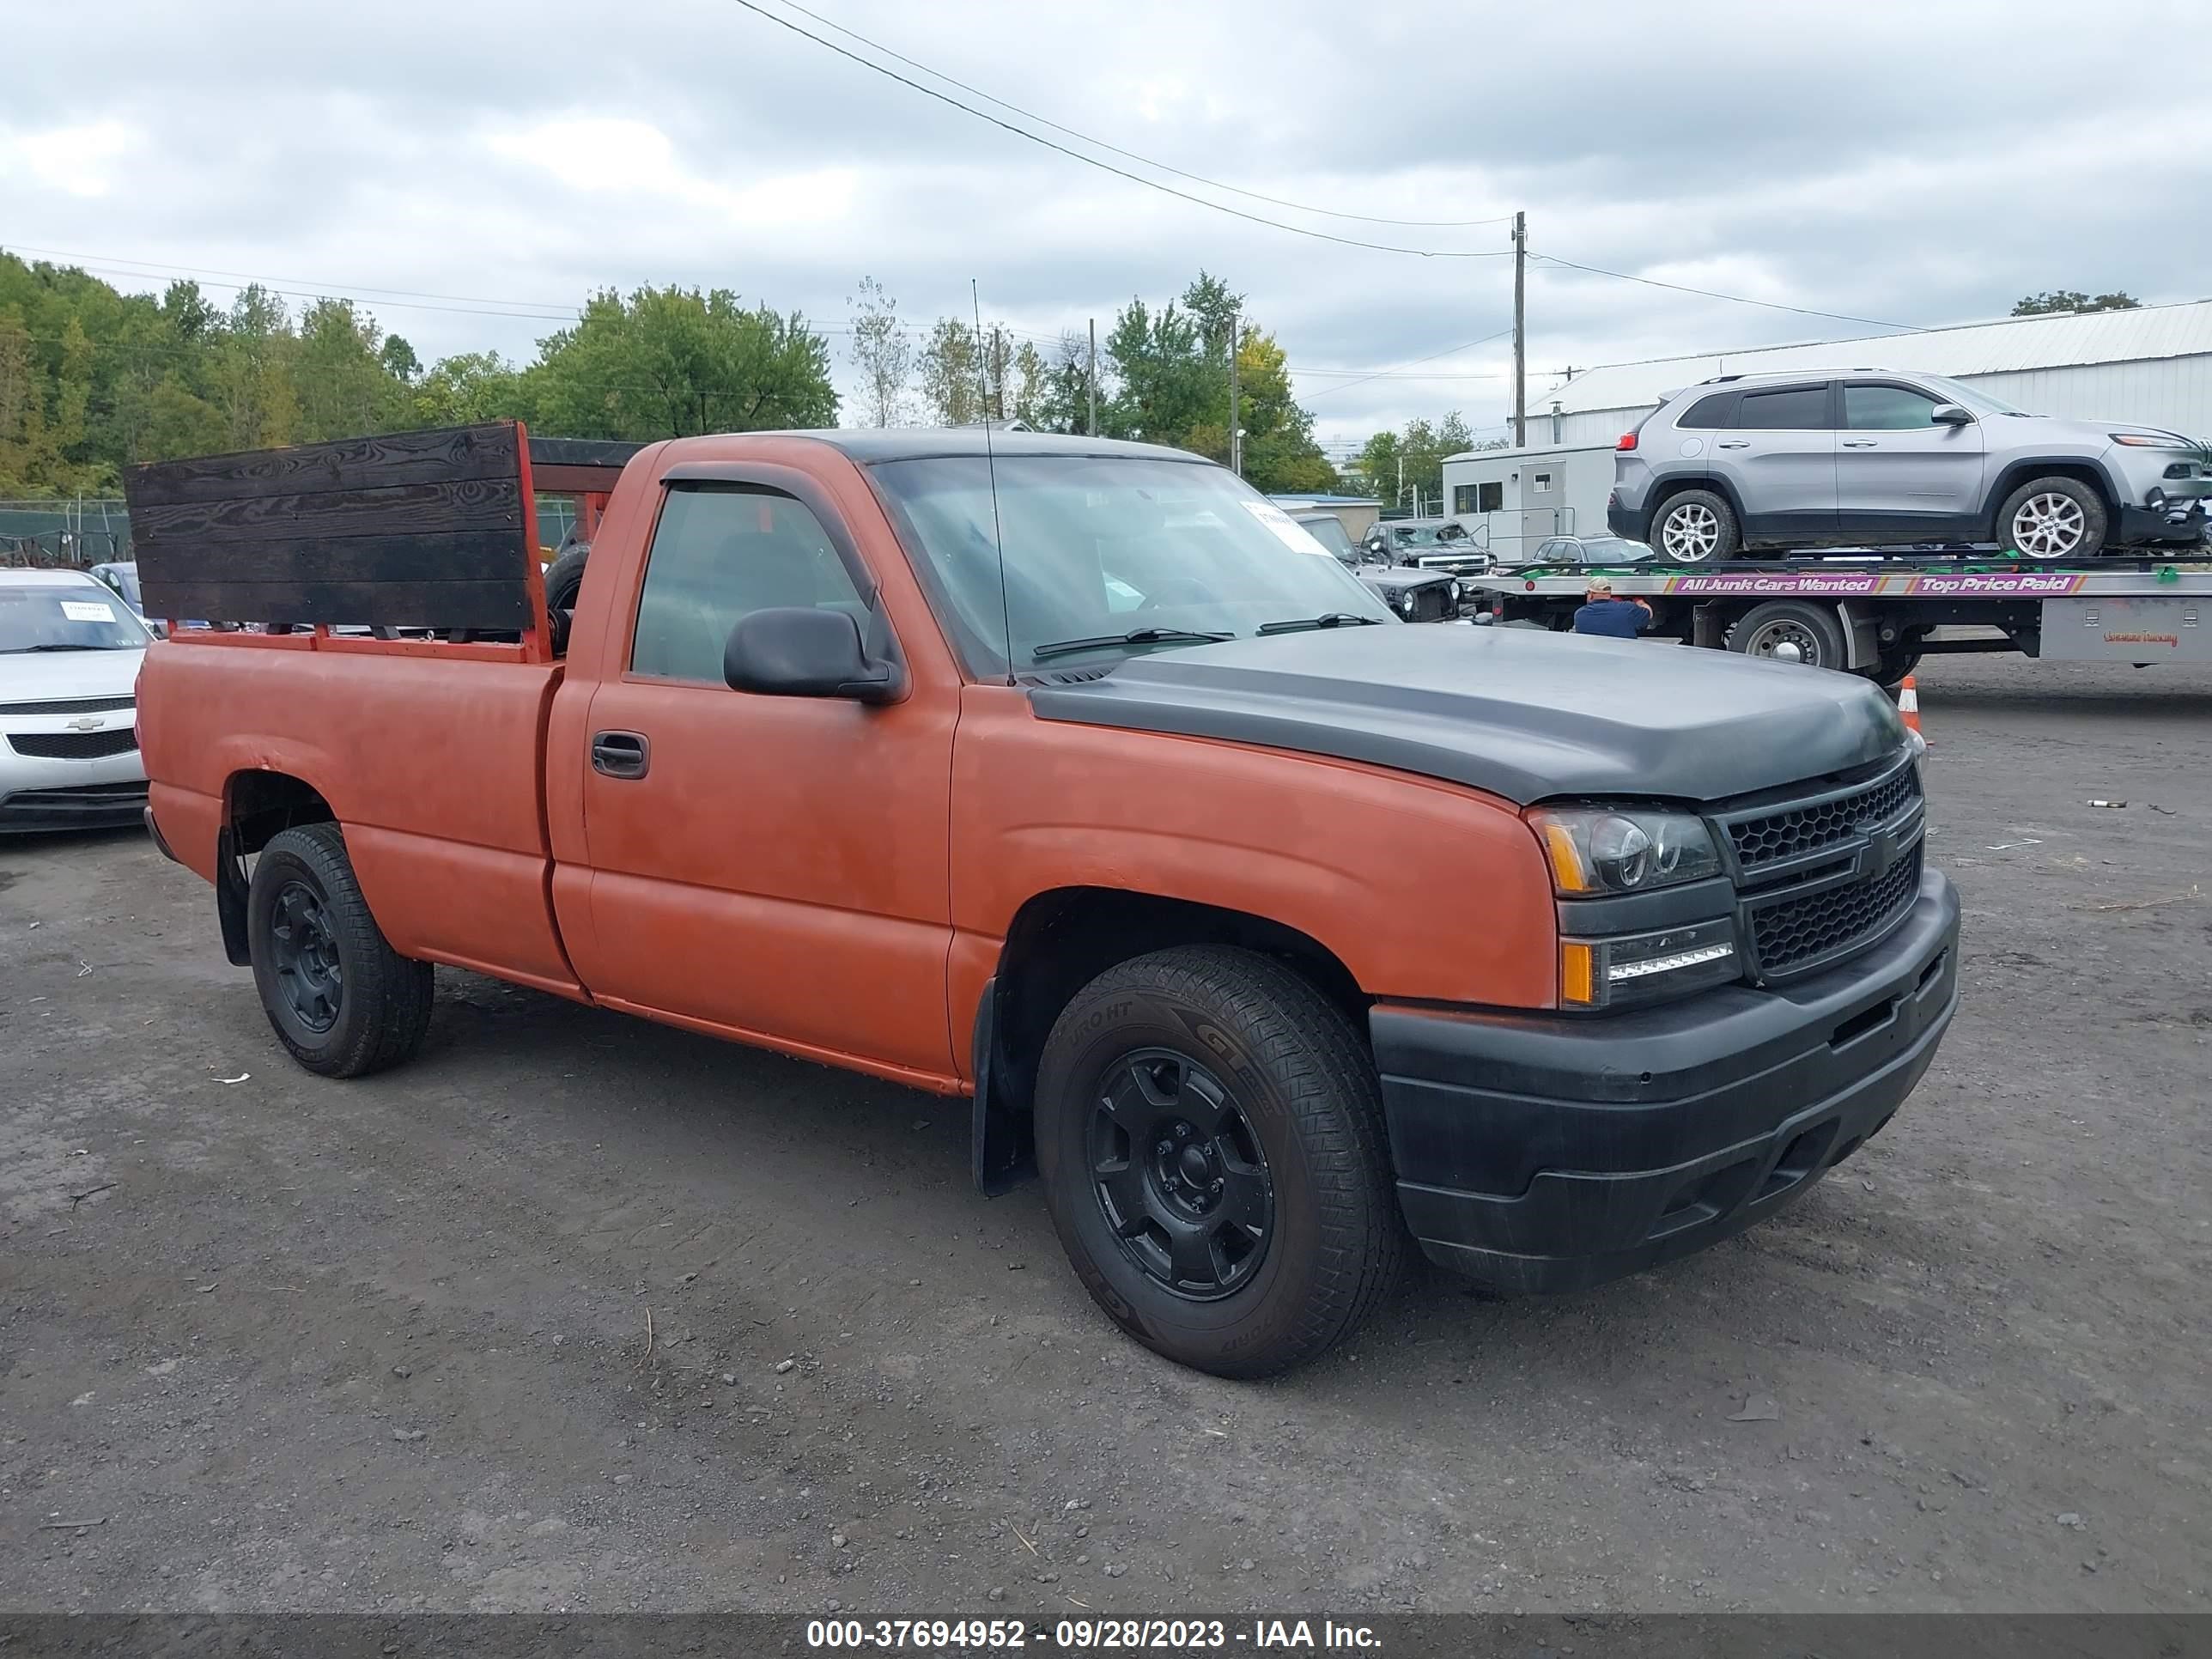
<point>1605,973</point>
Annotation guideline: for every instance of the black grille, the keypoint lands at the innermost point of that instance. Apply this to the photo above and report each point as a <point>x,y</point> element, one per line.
<point>1799,829</point>
<point>1802,930</point>
<point>113,701</point>
<point>79,795</point>
<point>1431,604</point>
<point>74,745</point>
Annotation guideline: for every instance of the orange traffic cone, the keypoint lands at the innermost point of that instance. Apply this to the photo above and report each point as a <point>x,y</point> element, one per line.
<point>1908,704</point>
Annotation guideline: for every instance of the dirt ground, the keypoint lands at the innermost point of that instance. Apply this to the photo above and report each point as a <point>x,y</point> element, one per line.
<point>576,1313</point>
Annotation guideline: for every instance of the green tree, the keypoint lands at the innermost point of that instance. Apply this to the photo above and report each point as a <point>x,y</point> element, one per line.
<point>399,359</point>
<point>674,362</point>
<point>951,362</point>
<point>469,388</point>
<point>2060,300</point>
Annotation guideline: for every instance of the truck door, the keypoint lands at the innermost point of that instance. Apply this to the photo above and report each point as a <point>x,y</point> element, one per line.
<point>769,867</point>
<point>1781,458</point>
<point>1898,474</point>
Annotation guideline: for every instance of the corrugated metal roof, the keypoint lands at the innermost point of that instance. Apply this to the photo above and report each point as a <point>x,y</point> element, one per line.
<point>2014,344</point>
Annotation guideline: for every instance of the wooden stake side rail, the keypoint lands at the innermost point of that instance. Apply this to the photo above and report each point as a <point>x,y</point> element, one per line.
<point>431,531</point>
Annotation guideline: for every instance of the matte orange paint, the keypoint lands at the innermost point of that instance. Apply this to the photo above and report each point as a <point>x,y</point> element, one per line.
<point>816,876</point>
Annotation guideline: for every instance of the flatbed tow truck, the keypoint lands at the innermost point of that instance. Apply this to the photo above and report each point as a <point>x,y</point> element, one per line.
<point>1878,617</point>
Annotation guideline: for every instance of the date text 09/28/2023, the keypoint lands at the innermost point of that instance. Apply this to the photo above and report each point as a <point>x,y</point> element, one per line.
<point>1103,1635</point>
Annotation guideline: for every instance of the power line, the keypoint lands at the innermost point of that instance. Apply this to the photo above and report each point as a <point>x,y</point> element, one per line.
<point>1738,299</point>
<point>1107,166</point>
<point>1379,373</point>
<point>1130,154</point>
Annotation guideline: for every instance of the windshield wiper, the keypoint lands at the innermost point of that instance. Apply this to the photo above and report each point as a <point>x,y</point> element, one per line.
<point>1134,636</point>
<point>1327,619</point>
<point>18,650</point>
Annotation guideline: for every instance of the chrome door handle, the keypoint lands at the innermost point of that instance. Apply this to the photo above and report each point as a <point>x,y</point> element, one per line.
<point>1859,443</point>
<point>1739,443</point>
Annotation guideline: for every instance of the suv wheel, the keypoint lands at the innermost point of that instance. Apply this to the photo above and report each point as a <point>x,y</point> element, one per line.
<point>2049,519</point>
<point>1210,1131</point>
<point>1696,527</point>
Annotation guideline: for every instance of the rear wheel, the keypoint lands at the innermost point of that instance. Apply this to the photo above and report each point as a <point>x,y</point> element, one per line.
<point>1210,1131</point>
<point>1790,630</point>
<point>2053,518</point>
<point>1696,527</point>
<point>339,997</point>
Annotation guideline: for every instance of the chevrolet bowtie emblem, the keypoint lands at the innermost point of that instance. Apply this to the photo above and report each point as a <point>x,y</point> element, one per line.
<point>87,723</point>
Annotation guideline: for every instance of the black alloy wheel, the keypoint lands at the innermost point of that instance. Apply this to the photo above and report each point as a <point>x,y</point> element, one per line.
<point>1179,1175</point>
<point>304,950</point>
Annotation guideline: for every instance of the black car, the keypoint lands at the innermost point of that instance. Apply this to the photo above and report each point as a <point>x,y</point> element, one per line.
<point>1417,595</point>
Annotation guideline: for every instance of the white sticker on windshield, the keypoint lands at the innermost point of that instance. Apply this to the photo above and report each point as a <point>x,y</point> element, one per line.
<point>1288,531</point>
<point>87,610</point>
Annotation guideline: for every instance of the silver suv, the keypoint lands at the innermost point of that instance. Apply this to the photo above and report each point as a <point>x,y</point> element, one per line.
<point>1879,458</point>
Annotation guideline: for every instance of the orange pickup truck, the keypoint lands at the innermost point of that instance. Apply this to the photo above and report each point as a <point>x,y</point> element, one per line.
<point>1073,777</point>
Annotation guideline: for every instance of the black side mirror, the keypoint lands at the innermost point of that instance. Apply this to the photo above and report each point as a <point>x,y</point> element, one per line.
<point>1950,415</point>
<point>795,651</point>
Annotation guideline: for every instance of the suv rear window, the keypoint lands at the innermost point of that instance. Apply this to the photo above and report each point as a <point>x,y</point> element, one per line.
<point>1797,409</point>
<point>1708,414</point>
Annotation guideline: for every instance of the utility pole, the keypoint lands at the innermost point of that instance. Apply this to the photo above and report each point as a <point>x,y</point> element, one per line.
<point>1520,330</point>
<point>1235,438</point>
<point>1094,377</point>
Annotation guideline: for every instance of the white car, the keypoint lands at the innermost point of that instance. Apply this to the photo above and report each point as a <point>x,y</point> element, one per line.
<point>69,651</point>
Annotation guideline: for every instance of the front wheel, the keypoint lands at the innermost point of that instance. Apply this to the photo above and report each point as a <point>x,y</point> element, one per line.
<point>1697,527</point>
<point>1210,1131</point>
<point>340,998</point>
<point>2051,518</point>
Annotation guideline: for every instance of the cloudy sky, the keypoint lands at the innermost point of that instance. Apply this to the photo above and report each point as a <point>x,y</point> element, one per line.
<point>469,169</point>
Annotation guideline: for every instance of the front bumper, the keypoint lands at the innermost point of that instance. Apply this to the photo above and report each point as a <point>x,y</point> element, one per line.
<point>2181,522</point>
<point>41,793</point>
<point>1541,1153</point>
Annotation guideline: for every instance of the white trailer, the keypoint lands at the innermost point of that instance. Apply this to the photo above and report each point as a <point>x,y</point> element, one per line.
<point>1878,619</point>
<point>1511,500</point>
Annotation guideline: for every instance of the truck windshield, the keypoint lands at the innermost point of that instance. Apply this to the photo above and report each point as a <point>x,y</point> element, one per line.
<point>1127,553</point>
<point>1328,530</point>
<point>71,618</point>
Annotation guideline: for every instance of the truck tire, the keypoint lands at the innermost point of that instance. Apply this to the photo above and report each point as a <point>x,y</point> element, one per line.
<point>2050,519</point>
<point>1791,630</point>
<point>1210,1131</point>
<point>340,998</point>
<point>1698,526</point>
<point>564,581</point>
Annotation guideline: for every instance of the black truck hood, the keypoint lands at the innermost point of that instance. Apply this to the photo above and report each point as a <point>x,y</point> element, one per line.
<point>1524,714</point>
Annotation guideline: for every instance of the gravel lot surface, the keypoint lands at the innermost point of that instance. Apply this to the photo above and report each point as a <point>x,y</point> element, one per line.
<point>577,1313</point>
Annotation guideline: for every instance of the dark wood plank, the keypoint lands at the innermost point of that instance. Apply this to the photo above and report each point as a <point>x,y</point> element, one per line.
<point>573,480</point>
<point>420,508</point>
<point>580,452</point>
<point>445,455</point>
<point>451,555</point>
<point>378,604</point>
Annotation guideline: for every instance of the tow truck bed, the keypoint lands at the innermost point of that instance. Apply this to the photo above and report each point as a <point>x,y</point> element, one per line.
<point>1875,619</point>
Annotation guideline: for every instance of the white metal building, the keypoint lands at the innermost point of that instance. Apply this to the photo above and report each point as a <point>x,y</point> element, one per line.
<point>2150,366</point>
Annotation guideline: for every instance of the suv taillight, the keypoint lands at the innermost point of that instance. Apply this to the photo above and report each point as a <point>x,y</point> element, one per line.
<point>1627,441</point>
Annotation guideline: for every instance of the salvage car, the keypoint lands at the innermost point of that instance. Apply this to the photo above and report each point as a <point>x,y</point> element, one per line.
<point>1417,595</point>
<point>1886,458</point>
<point>70,654</point>
<point>851,752</point>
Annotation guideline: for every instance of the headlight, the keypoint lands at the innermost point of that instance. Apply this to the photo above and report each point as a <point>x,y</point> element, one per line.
<point>1457,592</point>
<point>1406,603</point>
<point>2147,441</point>
<point>1622,849</point>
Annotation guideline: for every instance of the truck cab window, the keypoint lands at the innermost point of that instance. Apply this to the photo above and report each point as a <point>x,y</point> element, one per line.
<point>721,554</point>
